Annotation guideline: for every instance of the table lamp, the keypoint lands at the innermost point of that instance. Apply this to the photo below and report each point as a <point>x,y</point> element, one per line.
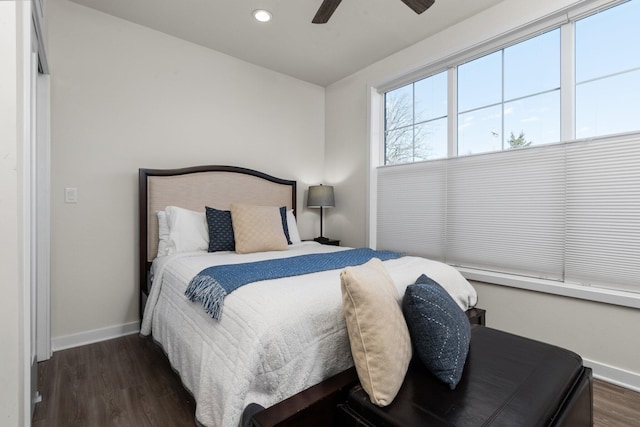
<point>321,196</point>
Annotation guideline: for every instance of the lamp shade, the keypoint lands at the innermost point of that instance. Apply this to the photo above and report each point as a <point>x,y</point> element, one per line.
<point>320,196</point>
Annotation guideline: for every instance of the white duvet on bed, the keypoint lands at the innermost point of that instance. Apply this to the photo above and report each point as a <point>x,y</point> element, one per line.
<point>275,337</point>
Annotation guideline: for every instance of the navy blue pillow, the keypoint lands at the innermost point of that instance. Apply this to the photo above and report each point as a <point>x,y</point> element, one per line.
<point>221,236</point>
<point>439,329</point>
<point>285,225</point>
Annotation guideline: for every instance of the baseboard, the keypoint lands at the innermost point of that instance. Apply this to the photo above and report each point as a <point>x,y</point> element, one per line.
<point>614,375</point>
<point>93,336</point>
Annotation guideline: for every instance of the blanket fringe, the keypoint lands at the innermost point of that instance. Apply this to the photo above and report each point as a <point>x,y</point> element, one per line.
<point>209,292</point>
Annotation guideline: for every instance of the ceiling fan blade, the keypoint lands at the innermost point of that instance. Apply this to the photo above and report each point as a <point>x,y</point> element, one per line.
<point>325,11</point>
<point>419,6</point>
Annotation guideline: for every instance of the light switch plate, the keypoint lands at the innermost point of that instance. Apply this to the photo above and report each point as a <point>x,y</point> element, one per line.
<point>71,195</point>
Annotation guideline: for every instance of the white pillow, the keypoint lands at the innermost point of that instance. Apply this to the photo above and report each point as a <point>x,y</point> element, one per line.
<point>164,247</point>
<point>294,234</point>
<point>188,231</point>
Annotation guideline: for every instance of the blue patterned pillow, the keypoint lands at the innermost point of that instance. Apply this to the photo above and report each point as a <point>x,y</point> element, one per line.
<point>439,329</point>
<point>221,236</point>
<point>285,226</point>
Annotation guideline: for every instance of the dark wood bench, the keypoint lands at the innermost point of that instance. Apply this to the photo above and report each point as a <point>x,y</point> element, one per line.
<point>508,381</point>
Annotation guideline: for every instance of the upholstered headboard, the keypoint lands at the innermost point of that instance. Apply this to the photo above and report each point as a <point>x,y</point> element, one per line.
<point>196,187</point>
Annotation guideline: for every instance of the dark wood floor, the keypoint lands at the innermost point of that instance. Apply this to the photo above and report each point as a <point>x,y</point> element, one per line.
<point>615,406</point>
<point>122,382</point>
<point>129,382</point>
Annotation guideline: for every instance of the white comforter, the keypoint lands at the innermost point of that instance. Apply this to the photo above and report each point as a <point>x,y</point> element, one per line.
<point>275,337</point>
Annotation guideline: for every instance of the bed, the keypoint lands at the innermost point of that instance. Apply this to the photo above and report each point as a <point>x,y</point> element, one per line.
<point>274,338</point>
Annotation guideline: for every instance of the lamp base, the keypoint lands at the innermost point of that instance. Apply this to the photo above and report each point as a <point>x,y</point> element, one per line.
<point>327,241</point>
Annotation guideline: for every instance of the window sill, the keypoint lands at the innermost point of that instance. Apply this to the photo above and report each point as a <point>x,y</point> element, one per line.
<point>606,296</point>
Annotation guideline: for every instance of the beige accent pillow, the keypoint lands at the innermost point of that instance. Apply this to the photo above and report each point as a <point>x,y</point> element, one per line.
<point>257,228</point>
<point>378,333</point>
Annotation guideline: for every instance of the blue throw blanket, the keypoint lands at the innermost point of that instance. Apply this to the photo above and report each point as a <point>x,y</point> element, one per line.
<point>212,284</point>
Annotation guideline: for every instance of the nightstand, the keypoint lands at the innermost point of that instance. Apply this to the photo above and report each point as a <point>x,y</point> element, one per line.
<point>477,316</point>
<point>325,241</point>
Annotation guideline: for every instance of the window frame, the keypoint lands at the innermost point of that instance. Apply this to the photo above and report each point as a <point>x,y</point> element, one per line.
<point>564,20</point>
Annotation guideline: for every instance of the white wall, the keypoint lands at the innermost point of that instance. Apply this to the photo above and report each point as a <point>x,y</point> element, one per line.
<point>12,371</point>
<point>613,341</point>
<point>125,97</point>
<point>10,312</point>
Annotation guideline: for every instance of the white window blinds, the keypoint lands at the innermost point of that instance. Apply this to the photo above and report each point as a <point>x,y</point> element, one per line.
<point>603,214</point>
<point>412,208</point>
<point>505,211</point>
<point>567,212</point>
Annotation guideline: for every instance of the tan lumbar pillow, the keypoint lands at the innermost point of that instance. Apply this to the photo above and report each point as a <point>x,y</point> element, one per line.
<point>257,228</point>
<point>378,333</point>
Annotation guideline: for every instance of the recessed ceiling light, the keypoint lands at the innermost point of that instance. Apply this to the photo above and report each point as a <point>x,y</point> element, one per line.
<point>262,15</point>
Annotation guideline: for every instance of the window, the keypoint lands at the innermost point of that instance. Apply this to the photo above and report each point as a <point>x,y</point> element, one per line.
<point>511,97</point>
<point>608,71</point>
<point>416,121</point>
<point>567,212</point>
<point>480,105</point>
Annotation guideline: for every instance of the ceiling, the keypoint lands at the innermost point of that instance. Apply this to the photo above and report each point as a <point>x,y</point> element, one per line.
<point>358,34</point>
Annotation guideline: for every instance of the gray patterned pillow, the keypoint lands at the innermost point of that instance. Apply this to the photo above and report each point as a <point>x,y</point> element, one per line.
<point>439,329</point>
<point>220,230</point>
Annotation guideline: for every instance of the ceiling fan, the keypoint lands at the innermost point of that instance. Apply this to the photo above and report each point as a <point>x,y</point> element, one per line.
<point>329,6</point>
